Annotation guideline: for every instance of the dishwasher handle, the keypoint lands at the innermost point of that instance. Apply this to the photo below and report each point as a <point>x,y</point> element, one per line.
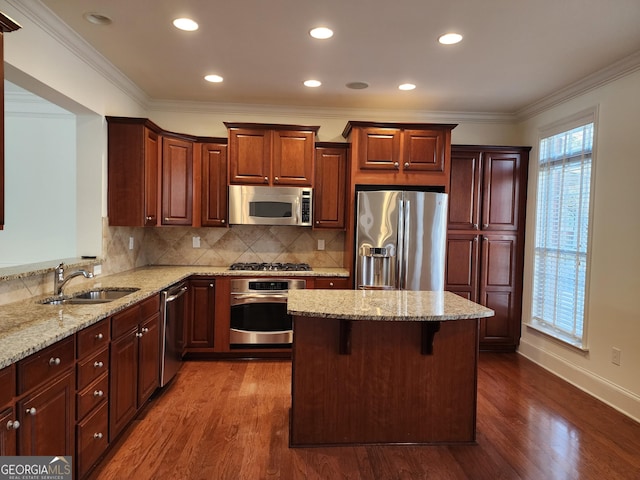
<point>175,296</point>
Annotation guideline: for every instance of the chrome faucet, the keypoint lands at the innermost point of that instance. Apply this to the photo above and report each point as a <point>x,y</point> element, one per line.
<point>60,281</point>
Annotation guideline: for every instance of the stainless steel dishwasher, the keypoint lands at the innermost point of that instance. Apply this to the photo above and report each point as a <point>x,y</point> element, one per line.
<point>173,310</point>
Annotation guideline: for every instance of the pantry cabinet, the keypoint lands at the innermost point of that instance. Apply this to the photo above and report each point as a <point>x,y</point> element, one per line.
<point>485,241</point>
<point>330,186</point>
<point>271,154</point>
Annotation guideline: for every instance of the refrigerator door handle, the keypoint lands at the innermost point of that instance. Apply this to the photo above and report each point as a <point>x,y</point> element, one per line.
<point>403,228</point>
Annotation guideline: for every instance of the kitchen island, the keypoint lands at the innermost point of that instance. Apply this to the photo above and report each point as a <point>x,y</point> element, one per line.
<point>383,367</point>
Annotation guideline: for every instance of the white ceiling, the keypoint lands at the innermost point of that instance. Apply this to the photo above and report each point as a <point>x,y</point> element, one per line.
<point>514,52</point>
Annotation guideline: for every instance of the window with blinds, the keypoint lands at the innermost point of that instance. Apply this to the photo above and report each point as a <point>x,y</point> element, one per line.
<point>562,233</point>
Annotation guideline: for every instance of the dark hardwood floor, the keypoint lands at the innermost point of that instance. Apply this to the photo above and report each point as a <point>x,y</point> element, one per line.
<point>229,420</point>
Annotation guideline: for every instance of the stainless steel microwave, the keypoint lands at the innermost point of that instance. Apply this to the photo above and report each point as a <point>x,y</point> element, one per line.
<point>259,205</point>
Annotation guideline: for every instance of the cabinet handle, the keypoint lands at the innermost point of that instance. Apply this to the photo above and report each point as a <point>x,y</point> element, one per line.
<point>397,165</point>
<point>317,222</point>
<point>98,393</point>
<point>148,219</point>
<point>475,225</point>
<point>406,165</point>
<point>331,284</point>
<point>54,361</point>
<point>13,425</point>
<point>485,225</point>
<point>97,435</point>
<point>211,285</point>
<point>98,364</point>
<point>222,221</point>
<point>276,179</point>
<point>31,411</point>
<point>266,179</point>
<point>99,336</point>
<point>138,335</point>
<point>145,330</point>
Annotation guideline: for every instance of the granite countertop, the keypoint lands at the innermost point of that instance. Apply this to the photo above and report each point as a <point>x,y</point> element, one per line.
<point>384,305</point>
<point>27,326</point>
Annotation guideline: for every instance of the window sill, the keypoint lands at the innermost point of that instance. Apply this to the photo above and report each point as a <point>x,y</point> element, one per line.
<point>558,337</point>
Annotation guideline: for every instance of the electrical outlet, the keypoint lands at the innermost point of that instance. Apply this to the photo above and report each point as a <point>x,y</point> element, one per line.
<point>196,242</point>
<point>320,244</point>
<point>616,355</point>
<point>130,243</point>
<point>97,270</point>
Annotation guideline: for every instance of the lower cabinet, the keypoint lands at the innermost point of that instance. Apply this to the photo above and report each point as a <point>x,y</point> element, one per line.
<point>341,283</point>
<point>9,423</point>
<point>135,361</point>
<point>200,322</point>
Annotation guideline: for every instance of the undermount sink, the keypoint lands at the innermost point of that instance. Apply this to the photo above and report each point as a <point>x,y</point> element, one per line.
<point>99,295</point>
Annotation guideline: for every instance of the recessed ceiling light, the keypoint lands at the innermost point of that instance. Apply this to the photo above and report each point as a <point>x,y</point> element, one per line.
<point>312,83</point>
<point>406,86</point>
<point>97,18</point>
<point>185,24</point>
<point>213,78</point>
<point>357,85</point>
<point>450,38</point>
<point>321,33</point>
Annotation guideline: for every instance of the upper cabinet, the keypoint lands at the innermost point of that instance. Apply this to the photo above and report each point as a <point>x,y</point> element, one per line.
<point>135,147</point>
<point>269,154</point>
<point>214,184</point>
<point>487,188</point>
<point>400,153</point>
<point>330,186</point>
<point>6,25</point>
<point>177,181</point>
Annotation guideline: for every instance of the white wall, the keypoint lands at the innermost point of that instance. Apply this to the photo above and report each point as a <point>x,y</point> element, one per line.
<point>613,310</point>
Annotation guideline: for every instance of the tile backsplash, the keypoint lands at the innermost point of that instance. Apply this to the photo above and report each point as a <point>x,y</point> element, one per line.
<point>218,247</point>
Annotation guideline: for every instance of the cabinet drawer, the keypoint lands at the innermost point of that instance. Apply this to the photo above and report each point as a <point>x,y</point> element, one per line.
<point>8,382</point>
<point>46,364</point>
<point>92,367</point>
<point>92,395</point>
<point>91,439</point>
<point>149,306</point>
<point>93,337</point>
<point>125,321</point>
<point>341,283</point>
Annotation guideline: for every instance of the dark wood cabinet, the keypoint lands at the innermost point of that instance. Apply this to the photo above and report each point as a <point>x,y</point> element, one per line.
<point>329,283</point>
<point>8,432</point>
<point>177,181</point>
<point>485,244</point>
<point>330,185</point>
<point>400,153</point>
<point>135,360</point>
<point>47,418</point>
<point>134,151</point>
<point>214,185</point>
<point>200,328</point>
<point>271,154</point>
<point>6,25</point>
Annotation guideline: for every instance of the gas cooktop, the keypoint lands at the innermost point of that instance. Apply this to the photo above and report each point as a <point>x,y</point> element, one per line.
<point>270,267</point>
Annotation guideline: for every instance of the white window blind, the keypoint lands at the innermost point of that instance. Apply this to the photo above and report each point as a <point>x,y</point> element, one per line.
<point>561,236</point>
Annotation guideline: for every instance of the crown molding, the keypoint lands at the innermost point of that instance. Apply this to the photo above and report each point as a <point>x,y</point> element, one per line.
<point>619,69</point>
<point>50,23</point>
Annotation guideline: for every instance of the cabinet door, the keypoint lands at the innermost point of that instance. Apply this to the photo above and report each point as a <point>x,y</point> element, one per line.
<point>123,399</point>
<point>47,418</point>
<point>423,151</point>
<point>499,290</point>
<point>214,185</point>
<point>151,162</point>
<point>177,182</point>
<point>331,283</point>
<point>461,275</point>
<point>379,149</point>
<point>201,317</point>
<point>501,191</point>
<point>464,190</point>
<point>8,430</point>
<point>149,358</point>
<point>249,156</point>
<point>330,188</point>
<point>292,158</point>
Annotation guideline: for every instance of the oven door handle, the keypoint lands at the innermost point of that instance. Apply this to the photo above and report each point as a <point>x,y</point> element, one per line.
<point>245,298</point>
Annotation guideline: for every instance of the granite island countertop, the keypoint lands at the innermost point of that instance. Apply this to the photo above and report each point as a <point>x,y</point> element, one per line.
<point>384,305</point>
<point>27,326</point>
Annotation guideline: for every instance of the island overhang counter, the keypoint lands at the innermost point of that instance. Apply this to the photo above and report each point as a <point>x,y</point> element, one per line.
<point>383,367</point>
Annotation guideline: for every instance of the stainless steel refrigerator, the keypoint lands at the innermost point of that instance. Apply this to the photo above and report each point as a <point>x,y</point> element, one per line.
<point>400,240</point>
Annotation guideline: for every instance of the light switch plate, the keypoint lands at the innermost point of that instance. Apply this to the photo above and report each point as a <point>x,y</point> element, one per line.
<point>196,242</point>
<point>320,244</point>
<point>130,243</point>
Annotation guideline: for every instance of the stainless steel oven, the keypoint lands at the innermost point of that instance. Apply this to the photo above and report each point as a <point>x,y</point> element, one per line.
<point>259,315</point>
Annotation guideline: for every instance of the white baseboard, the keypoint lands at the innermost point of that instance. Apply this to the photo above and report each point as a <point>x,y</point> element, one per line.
<point>613,395</point>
